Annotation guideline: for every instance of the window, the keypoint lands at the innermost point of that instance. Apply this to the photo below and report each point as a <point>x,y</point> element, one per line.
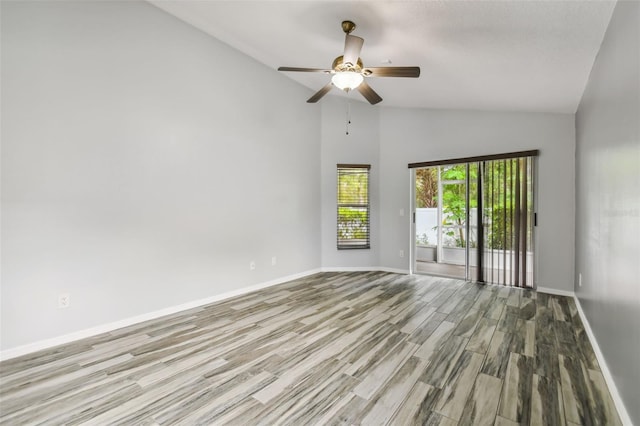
<point>353,206</point>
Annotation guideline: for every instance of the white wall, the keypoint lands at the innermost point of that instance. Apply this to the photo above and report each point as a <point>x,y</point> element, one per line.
<point>416,135</point>
<point>135,152</point>
<point>608,201</point>
<point>360,146</point>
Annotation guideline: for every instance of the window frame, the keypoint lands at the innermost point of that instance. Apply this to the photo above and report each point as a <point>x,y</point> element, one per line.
<point>357,243</point>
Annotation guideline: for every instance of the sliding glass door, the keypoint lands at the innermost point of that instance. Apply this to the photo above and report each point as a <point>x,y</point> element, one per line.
<point>474,220</point>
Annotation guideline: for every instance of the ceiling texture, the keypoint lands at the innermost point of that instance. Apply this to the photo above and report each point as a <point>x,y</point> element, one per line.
<point>474,55</point>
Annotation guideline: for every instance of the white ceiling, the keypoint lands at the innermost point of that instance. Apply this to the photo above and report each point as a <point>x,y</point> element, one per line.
<point>479,55</point>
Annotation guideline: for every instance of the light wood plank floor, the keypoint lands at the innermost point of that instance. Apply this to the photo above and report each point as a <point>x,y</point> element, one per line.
<point>334,348</point>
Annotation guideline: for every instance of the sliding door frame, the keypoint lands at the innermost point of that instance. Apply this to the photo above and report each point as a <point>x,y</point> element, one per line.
<point>480,228</point>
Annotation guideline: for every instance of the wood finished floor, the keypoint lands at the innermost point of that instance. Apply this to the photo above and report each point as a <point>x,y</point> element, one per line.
<point>333,348</point>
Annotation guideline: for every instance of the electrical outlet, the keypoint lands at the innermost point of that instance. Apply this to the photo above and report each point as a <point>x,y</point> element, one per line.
<point>273,261</point>
<point>252,265</point>
<point>579,280</point>
<point>64,300</point>
<point>401,212</point>
<point>401,253</point>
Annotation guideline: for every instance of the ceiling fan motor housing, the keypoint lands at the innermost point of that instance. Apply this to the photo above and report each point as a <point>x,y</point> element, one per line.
<point>339,65</point>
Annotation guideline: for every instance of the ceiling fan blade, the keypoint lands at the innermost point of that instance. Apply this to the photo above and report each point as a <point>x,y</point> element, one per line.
<point>303,69</point>
<point>369,93</point>
<point>320,93</point>
<point>392,72</point>
<point>352,48</point>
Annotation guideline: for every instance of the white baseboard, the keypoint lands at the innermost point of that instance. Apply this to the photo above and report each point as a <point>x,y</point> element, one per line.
<point>105,328</point>
<point>608,378</point>
<point>555,291</point>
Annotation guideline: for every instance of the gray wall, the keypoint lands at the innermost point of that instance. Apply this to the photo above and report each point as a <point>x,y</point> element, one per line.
<point>136,154</point>
<point>608,202</point>
<point>414,135</point>
<point>360,147</point>
<point>391,138</point>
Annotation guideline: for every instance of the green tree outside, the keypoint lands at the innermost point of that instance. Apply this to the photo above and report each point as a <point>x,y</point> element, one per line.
<point>498,204</point>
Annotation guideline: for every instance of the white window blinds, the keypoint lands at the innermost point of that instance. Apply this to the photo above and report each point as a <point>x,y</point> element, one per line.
<point>353,206</point>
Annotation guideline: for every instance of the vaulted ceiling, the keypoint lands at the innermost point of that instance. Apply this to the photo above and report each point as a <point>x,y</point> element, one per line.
<point>474,55</point>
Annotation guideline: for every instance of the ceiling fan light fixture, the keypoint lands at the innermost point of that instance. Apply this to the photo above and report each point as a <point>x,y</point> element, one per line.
<point>347,80</point>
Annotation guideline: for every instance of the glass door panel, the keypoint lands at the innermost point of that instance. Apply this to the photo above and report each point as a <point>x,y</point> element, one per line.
<point>442,220</point>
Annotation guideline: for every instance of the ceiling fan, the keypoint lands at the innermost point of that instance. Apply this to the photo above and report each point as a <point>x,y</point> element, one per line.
<point>349,73</point>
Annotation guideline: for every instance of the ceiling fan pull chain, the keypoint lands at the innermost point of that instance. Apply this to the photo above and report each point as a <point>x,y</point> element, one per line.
<point>348,115</point>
